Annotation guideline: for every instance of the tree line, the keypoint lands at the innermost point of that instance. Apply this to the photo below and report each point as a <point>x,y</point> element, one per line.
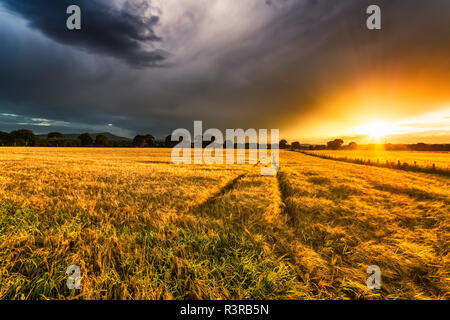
<point>27,138</point>
<point>338,144</point>
<point>57,139</point>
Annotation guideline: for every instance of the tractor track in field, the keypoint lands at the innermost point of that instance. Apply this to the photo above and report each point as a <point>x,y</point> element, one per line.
<point>213,198</point>
<point>283,194</point>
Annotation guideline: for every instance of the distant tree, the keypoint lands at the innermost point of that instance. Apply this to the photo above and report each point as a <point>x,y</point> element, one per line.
<point>283,144</point>
<point>4,138</point>
<point>139,141</point>
<point>85,140</point>
<point>144,141</point>
<point>101,140</point>
<point>55,139</point>
<point>24,138</point>
<point>296,145</point>
<point>168,142</point>
<point>353,145</point>
<point>335,144</point>
<point>168,139</point>
<point>55,135</point>
<point>149,140</point>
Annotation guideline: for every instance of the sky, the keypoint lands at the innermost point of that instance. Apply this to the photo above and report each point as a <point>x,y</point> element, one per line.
<point>310,68</point>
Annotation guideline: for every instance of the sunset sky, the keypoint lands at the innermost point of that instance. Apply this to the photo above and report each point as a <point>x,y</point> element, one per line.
<point>308,67</point>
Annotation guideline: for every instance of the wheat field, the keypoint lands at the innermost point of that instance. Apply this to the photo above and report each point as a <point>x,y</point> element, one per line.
<point>141,227</point>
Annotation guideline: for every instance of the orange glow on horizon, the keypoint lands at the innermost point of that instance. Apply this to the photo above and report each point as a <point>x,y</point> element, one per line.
<point>400,109</point>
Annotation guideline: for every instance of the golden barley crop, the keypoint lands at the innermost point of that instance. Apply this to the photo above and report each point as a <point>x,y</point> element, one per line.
<point>441,160</point>
<point>141,227</point>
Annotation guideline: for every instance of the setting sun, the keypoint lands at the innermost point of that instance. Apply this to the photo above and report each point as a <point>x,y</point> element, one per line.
<point>376,129</point>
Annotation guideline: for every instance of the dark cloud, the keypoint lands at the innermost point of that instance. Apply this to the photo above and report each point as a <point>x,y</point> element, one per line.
<point>123,32</point>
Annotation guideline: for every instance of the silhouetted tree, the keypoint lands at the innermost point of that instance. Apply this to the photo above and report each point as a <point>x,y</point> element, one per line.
<point>283,144</point>
<point>4,138</point>
<point>55,139</point>
<point>335,144</point>
<point>139,141</point>
<point>144,141</point>
<point>101,140</point>
<point>23,138</point>
<point>353,145</point>
<point>168,142</point>
<point>85,140</point>
<point>168,139</point>
<point>150,140</point>
<point>295,145</point>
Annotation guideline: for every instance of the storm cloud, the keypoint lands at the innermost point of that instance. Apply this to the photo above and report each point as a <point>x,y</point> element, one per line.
<point>122,30</point>
<point>153,66</point>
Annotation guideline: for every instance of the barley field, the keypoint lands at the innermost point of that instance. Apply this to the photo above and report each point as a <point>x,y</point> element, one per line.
<point>141,227</point>
<point>441,160</point>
